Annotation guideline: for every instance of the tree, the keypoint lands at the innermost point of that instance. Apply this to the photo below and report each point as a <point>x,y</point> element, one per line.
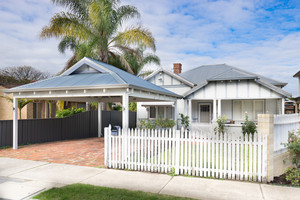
<point>137,63</point>
<point>93,28</point>
<point>20,75</point>
<point>21,103</point>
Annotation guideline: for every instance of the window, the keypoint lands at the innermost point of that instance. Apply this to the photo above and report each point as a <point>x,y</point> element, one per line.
<point>152,112</point>
<point>169,113</point>
<point>258,107</point>
<point>161,111</point>
<point>252,107</point>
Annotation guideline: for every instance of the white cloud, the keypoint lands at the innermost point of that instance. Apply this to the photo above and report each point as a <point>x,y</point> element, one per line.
<point>242,33</point>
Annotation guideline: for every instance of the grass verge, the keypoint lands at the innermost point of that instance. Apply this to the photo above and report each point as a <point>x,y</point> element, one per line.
<point>90,192</point>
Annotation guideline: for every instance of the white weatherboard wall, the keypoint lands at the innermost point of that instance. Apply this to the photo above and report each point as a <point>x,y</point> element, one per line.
<point>170,83</point>
<point>234,90</point>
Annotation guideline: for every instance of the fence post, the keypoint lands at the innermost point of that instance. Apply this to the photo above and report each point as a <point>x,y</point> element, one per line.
<point>107,146</point>
<point>177,132</point>
<point>266,127</point>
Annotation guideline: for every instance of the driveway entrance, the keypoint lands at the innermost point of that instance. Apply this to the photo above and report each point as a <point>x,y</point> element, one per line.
<point>84,152</point>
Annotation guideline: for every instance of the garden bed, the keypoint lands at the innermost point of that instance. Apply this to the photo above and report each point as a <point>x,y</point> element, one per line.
<point>290,178</point>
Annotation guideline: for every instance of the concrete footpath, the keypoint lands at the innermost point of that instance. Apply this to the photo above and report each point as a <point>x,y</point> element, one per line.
<point>22,179</point>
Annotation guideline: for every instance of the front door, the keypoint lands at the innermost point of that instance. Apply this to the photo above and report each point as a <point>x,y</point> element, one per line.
<point>205,113</point>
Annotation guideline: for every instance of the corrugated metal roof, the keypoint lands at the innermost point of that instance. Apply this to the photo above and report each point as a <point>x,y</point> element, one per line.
<point>132,79</point>
<point>109,75</point>
<point>75,80</point>
<point>232,74</point>
<point>207,72</point>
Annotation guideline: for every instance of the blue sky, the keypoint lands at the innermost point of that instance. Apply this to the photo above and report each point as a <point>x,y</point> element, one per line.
<point>255,35</point>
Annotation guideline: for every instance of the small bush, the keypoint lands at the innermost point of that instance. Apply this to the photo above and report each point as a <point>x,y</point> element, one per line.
<point>68,112</point>
<point>248,127</point>
<point>220,128</point>
<point>293,176</point>
<point>293,146</point>
<point>184,120</point>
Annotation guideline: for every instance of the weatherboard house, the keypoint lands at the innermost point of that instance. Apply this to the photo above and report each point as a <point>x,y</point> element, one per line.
<point>210,91</point>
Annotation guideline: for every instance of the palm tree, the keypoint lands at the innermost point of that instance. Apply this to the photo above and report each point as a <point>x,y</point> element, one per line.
<point>93,28</point>
<point>137,63</point>
<point>21,103</point>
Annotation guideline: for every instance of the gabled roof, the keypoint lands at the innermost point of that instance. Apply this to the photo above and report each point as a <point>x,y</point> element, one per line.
<point>297,74</point>
<point>274,88</point>
<point>170,74</point>
<point>232,74</point>
<point>225,72</point>
<point>89,73</point>
<point>203,74</point>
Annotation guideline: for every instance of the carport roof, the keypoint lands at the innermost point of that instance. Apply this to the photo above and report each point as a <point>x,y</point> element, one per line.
<point>89,73</point>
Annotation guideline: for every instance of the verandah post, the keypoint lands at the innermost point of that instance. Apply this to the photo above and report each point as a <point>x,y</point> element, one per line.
<point>15,123</point>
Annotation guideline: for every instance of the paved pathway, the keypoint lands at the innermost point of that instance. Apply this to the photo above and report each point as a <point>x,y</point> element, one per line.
<point>83,152</point>
<point>22,179</point>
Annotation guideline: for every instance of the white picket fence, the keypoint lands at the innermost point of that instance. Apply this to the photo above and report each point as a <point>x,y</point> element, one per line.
<point>195,153</point>
<point>283,124</point>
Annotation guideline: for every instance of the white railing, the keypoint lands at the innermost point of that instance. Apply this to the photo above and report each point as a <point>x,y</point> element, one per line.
<point>196,153</point>
<point>283,124</point>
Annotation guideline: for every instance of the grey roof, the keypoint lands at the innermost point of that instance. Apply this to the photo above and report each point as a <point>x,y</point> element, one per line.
<point>176,76</point>
<point>102,74</point>
<point>201,75</point>
<point>223,72</point>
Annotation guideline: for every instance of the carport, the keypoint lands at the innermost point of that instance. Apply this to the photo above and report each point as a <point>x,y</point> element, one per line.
<point>91,81</point>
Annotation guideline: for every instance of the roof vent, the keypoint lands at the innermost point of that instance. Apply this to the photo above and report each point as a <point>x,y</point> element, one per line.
<point>85,69</point>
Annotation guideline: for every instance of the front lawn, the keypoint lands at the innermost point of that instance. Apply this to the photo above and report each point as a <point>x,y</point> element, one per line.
<point>90,192</point>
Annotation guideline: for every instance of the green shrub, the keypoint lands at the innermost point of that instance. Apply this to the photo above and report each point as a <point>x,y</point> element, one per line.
<point>68,112</point>
<point>158,123</point>
<point>292,175</point>
<point>248,127</point>
<point>184,120</point>
<point>293,146</point>
<point>220,128</point>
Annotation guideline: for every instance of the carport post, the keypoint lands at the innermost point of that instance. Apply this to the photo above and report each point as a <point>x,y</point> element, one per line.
<point>125,111</point>
<point>15,123</point>
<point>99,119</point>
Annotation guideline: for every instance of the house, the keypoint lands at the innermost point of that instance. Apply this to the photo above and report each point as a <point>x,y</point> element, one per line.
<point>32,110</point>
<point>297,99</point>
<point>210,91</point>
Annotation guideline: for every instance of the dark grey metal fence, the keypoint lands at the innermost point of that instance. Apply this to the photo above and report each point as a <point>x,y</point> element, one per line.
<point>82,125</point>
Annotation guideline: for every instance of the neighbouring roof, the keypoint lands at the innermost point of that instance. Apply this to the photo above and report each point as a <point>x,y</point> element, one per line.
<point>297,74</point>
<point>223,72</point>
<point>171,74</point>
<point>91,73</point>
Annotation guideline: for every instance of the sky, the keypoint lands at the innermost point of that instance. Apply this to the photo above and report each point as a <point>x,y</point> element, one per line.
<point>261,36</point>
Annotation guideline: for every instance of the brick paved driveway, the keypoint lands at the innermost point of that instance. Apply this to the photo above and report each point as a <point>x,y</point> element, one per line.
<point>85,152</point>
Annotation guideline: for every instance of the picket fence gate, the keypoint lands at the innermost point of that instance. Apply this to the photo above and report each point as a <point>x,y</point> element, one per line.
<point>224,156</point>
